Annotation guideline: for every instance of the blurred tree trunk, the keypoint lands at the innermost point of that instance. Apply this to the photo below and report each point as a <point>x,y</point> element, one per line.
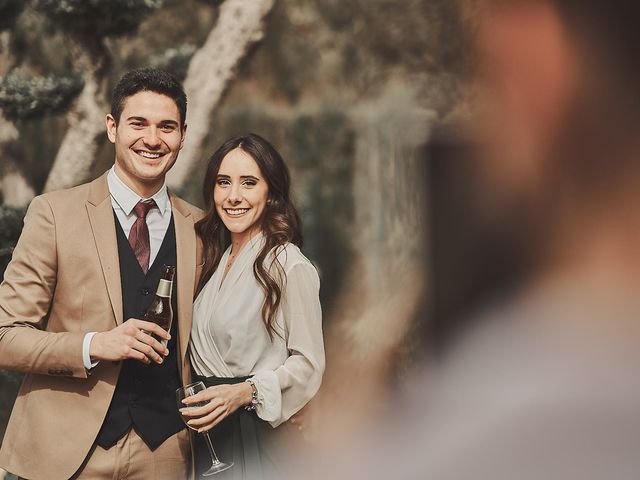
<point>86,117</point>
<point>6,56</point>
<point>240,25</point>
<point>16,190</point>
<point>367,334</point>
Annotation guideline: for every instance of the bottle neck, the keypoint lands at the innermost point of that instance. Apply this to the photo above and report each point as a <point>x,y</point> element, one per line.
<point>164,288</point>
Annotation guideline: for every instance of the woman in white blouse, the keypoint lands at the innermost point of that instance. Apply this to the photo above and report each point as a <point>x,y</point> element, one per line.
<point>256,339</point>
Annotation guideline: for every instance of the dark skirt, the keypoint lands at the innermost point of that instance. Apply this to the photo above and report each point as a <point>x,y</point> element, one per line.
<point>253,445</point>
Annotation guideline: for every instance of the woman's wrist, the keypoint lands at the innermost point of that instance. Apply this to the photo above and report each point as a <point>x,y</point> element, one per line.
<point>245,394</point>
<point>253,401</point>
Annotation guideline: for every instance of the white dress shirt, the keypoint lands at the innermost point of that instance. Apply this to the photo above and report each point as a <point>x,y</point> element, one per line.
<point>229,338</point>
<point>123,199</point>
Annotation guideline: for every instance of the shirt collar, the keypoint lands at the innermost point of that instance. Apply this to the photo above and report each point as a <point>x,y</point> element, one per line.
<point>127,198</point>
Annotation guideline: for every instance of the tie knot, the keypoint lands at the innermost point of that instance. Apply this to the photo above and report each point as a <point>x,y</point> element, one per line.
<point>142,208</point>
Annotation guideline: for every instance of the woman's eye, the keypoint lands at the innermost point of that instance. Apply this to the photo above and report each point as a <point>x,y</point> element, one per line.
<point>223,183</point>
<point>249,183</point>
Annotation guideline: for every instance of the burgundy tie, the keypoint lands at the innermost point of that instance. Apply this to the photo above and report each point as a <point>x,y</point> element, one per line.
<point>139,234</point>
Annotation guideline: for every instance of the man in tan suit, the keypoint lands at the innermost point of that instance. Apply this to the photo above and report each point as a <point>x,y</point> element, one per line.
<point>98,400</point>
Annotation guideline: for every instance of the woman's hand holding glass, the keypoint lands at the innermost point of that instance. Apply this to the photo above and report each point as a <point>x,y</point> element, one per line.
<point>190,391</point>
<point>221,401</point>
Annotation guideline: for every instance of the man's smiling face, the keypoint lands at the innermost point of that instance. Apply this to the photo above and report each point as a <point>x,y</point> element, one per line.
<point>147,139</point>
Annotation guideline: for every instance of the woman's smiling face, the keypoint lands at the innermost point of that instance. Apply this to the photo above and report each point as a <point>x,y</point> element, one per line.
<point>240,194</point>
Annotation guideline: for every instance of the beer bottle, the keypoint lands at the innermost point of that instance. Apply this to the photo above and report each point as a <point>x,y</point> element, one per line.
<point>160,311</point>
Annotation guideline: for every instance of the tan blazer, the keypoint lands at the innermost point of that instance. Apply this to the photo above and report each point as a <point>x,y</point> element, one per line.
<point>64,281</point>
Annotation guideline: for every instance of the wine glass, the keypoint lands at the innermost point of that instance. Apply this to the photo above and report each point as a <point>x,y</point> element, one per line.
<point>216,465</point>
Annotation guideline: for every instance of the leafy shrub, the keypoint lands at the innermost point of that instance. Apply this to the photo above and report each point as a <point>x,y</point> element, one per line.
<point>24,98</point>
<point>174,60</point>
<point>9,11</point>
<point>9,385</point>
<point>10,228</point>
<point>98,18</point>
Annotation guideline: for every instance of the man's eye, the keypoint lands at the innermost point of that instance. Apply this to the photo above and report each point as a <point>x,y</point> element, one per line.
<point>168,128</point>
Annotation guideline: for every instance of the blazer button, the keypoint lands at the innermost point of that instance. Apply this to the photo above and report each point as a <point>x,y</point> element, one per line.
<point>145,291</point>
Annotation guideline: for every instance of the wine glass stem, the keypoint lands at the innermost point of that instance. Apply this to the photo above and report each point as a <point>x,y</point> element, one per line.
<point>211,450</point>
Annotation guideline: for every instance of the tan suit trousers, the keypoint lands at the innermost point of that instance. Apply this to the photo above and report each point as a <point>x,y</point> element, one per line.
<point>130,458</point>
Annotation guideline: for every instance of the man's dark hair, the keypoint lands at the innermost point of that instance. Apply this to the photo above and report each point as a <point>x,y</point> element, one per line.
<point>148,80</point>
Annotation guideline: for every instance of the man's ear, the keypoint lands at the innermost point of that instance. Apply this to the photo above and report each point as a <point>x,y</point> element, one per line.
<point>184,134</point>
<point>111,128</point>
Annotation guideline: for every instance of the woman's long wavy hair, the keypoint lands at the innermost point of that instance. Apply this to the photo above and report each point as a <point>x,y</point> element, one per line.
<point>279,223</point>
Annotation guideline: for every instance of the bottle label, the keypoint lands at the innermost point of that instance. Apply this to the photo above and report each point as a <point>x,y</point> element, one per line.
<point>164,288</point>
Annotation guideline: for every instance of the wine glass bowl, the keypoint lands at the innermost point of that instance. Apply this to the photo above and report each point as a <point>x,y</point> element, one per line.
<point>183,392</point>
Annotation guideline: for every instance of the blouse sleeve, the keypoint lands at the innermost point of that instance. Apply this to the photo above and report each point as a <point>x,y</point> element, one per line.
<point>285,390</point>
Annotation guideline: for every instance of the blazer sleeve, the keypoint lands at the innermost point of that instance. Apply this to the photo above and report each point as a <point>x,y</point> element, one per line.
<point>26,296</point>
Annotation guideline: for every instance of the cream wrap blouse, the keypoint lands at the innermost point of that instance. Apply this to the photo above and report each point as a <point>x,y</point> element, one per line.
<point>229,339</point>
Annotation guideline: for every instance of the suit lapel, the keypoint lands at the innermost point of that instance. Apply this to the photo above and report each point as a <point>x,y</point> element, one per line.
<point>103,227</point>
<point>186,269</point>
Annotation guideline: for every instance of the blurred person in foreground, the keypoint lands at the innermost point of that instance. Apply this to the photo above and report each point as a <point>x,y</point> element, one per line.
<point>98,398</point>
<point>256,339</point>
<point>546,382</point>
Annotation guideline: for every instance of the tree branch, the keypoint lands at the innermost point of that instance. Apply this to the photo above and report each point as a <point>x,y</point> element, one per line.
<point>77,152</point>
<point>16,190</point>
<point>239,26</point>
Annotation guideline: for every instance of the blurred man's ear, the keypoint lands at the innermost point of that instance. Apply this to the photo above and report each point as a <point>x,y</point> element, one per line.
<point>527,76</point>
<point>184,133</point>
<point>111,128</point>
